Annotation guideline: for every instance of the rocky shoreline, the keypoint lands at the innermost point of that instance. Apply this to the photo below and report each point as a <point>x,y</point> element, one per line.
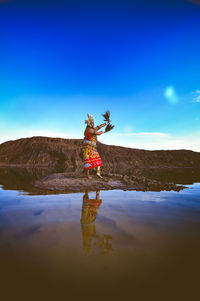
<point>78,182</point>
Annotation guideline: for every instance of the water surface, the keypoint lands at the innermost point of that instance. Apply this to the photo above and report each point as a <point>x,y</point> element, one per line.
<point>112,243</point>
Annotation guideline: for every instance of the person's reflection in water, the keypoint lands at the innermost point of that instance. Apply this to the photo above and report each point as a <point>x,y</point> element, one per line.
<point>90,238</point>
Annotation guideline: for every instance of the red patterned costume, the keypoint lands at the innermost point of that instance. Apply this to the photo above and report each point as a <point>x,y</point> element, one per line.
<point>91,156</point>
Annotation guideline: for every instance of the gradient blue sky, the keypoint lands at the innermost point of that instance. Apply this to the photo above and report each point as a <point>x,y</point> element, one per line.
<point>60,60</point>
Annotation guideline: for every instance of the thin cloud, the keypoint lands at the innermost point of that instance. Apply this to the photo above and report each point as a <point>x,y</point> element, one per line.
<point>163,142</point>
<point>156,134</point>
<point>196,96</point>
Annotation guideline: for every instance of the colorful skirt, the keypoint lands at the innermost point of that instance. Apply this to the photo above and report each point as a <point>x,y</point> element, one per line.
<point>91,156</point>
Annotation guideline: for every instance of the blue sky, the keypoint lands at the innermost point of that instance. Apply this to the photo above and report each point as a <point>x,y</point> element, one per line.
<point>60,60</point>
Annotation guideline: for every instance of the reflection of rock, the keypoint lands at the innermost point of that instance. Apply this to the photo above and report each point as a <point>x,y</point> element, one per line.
<point>88,216</point>
<point>38,180</point>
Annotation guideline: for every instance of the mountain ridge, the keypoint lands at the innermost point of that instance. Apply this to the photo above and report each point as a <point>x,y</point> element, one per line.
<point>66,155</point>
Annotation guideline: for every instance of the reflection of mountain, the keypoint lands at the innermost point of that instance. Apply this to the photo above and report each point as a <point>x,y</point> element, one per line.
<point>90,238</point>
<point>21,178</point>
<point>17,178</point>
<point>173,175</point>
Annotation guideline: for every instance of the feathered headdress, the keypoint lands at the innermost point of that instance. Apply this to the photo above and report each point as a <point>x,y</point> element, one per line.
<point>89,120</point>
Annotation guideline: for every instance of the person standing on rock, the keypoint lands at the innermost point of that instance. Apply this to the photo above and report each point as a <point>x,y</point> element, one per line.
<point>91,158</point>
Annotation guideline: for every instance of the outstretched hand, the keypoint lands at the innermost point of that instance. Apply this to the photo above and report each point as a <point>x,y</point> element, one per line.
<point>107,120</point>
<point>109,127</point>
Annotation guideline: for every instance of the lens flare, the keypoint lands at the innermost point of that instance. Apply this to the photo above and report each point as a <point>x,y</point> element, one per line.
<point>170,95</point>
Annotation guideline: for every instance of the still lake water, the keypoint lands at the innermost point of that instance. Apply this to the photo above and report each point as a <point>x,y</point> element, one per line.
<point>103,243</point>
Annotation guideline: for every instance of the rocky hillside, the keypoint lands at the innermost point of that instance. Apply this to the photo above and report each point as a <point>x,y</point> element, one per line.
<point>65,155</point>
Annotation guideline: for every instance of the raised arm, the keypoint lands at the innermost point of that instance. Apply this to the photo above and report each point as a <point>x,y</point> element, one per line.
<point>99,133</point>
<point>95,131</point>
<point>100,126</point>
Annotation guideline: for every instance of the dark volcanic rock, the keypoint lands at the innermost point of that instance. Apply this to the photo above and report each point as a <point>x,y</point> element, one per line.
<point>42,152</point>
<point>66,181</point>
<point>78,182</point>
